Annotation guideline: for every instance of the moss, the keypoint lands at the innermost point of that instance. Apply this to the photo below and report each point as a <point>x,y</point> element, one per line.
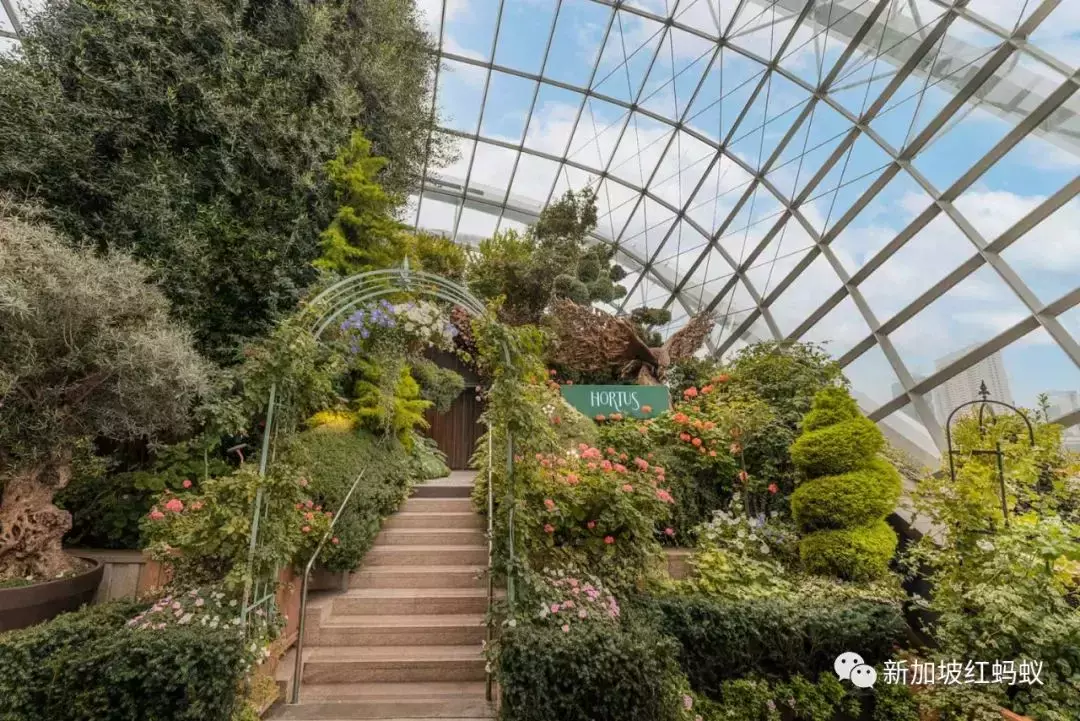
<point>847,500</point>
<point>837,448</point>
<point>855,554</point>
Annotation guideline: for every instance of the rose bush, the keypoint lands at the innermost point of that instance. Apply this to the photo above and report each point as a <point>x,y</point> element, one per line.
<point>597,509</point>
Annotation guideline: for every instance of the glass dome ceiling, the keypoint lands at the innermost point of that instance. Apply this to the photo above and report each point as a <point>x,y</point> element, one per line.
<point>897,178</point>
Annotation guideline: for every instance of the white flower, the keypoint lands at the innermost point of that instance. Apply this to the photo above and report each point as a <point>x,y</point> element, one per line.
<point>185,619</point>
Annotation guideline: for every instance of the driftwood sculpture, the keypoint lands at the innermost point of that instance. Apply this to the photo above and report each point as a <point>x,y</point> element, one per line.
<point>590,340</point>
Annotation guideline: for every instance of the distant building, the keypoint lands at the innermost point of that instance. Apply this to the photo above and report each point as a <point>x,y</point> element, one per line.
<point>1063,403</point>
<point>909,409</point>
<point>964,386</point>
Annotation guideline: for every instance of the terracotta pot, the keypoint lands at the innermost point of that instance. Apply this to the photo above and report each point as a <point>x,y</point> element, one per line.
<point>24,606</point>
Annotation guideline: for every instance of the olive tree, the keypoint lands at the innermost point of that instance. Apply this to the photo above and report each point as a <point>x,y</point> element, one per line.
<point>87,349</point>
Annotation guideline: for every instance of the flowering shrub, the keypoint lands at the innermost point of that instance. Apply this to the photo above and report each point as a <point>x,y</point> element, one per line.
<point>597,509</point>
<point>204,533</point>
<point>567,598</point>
<point>94,664</point>
<point>411,326</point>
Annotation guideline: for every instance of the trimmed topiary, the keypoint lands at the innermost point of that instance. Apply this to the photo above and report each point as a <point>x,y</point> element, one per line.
<point>847,500</point>
<point>850,489</point>
<point>855,554</point>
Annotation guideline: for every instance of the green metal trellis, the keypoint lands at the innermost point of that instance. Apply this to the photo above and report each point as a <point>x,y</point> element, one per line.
<point>327,310</point>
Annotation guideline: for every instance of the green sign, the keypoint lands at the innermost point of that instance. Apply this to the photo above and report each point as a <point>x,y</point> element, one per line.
<point>636,401</point>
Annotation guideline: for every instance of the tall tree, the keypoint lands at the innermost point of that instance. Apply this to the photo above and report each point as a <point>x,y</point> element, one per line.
<point>195,135</point>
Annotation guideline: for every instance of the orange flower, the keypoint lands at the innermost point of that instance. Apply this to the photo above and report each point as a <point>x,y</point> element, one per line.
<point>684,436</point>
<point>696,441</point>
<point>680,418</point>
<point>743,476</point>
<point>690,392</point>
<point>600,418</point>
<point>723,378</point>
<point>712,454</point>
<point>707,389</point>
<point>646,409</point>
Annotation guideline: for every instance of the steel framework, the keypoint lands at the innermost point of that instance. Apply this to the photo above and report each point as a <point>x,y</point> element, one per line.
<point>895,51</point>
<point>728,199</point>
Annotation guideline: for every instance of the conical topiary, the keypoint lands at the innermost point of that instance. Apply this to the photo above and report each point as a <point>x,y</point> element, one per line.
<point>849,489</point>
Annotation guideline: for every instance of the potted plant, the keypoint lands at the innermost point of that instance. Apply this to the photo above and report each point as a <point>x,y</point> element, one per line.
<point>87,350</point>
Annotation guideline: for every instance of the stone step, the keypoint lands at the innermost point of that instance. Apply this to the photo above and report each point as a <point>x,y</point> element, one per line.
<point>451,519</point>
<point>409,601</point>
<point>443,490</point>
<point>419,577</point>
<point>389,701</point>
<point>439,555</point>
<point>412,630</point>
<point>431,537</point>
<point>394,664</point>
<point>437,505</point>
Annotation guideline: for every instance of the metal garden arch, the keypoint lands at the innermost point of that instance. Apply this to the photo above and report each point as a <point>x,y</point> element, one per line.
<point>326,310</point>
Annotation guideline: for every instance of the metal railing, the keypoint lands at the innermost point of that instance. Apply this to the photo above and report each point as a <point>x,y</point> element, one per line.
<point>298,666</point>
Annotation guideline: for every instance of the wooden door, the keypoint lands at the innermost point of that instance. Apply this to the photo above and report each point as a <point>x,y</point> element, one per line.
<point>457,431</point>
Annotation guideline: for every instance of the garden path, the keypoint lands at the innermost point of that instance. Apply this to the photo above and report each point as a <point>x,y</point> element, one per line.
<point>404,641</point>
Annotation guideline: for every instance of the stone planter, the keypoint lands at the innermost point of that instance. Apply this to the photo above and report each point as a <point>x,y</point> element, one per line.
<point>28,605</point>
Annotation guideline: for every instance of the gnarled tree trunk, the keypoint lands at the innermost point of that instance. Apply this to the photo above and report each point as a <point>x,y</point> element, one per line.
<point>31,527</point>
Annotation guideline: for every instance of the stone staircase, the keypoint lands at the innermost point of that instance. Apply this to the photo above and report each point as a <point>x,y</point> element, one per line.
<point>404,640</point>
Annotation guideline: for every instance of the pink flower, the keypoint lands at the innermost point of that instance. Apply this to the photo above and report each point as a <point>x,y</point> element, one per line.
<point>329,514</point>
<point>568,604</point>
<point>550,504</point>
<point>545,463</point>
<point>309,516</point>
<point>742,475</point>
<point>627,488</point>
<point>592,466</point>
<point>306,529</point>
<point>303,483</point>
<point>186,483</point>
<point>646,409</point>
<point>571,478</point>
<point>156,515</point>
<point>583,446</point>
<point>610,451</point>
<point>600,418</point>
<point>335,540</point>
<point>548,528</point>
<point>197,506</point>
<point>690,392</point>
<point>641,463</point>
<point>606,465</point>
<point>687,702</point>
<point>309,504</point>
<point>591,525</point>
<point>670,532</point>
<point>566,628</point>
<point>299,506</point>
<point>555,608</point>
<point>773,488</point>
<point>664,496</point>
<point>684,436</point>
<point>582,614</point>
<point>609,540</point>
<point>619,468</point>
<point>696,441</point>
<point>175,505</point>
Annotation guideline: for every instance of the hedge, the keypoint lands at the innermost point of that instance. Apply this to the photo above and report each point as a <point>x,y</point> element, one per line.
<point>89,666</point>
<point>594,672</point>
<point>332,457</point>
<point>724,640</point>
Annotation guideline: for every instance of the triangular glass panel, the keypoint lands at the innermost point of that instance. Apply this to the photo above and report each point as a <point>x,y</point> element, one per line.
<point>578,40</point>
<point>839,330</point>
<point>631,46</point>
<point>810,289</point>
<point>596,134</point>
<point>726,88</point>
<point>472,33</point>
<point>640,150</point>
<point>523,35</point>
<point>872,379</point>
<point>507,108</point>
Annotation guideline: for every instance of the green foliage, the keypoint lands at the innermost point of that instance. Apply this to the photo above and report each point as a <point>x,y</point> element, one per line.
<point>849,490</point>
<point>205,156</point>
<point>441,386</point>
<point>589,510</point>
<point>691,372</point>
<point>797,699</point>
<point>86,349</point>
<point>393,408</point>
<point>364,234</point>
<point>646,321</point>
<point>785,375</point>
<point>204,534</point>
<point>847,500</point>
<point>91,666</point>
<point>777,639</point>
<point>107,510</point>
<point>596,671</point>
<point>331,459</point>
<point>550,259</point>
<point>861,553</point>
<point>837,448</point>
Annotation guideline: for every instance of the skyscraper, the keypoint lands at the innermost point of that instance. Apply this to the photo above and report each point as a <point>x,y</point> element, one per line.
<point>964,386</point>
